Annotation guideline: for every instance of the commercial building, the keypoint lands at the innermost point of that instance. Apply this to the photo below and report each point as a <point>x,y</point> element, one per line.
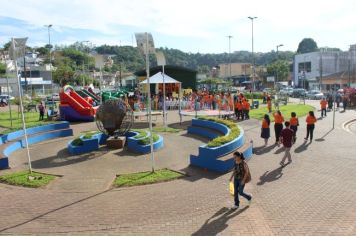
<point>326,69</point>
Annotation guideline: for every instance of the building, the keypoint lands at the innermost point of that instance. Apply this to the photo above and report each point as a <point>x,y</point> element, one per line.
<point>187,77</point>
<point>324,69</point>
<point>237,69</point>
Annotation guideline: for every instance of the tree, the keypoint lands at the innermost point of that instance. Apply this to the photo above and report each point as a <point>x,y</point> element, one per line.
<point>307,45</point>
<point>63,75</point>
<point>2,69</point>
<point>7,45</point>
<point>281,67</point>
<point>43,51</point>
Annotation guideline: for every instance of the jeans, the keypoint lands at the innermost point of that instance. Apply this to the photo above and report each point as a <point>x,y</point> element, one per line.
<point>310,130</point>
<point>323,112</point>
<point>239,190</point>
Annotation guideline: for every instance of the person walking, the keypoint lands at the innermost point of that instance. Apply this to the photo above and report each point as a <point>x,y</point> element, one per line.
<point>287,139</point>
<point>311,120</point>
<point>344,102</point>
<point>323,104</point>
<point>241,175</point>
<point>265,130</point>
<point>41,109</point>
<point>294,123</point>
<point>278,124</point>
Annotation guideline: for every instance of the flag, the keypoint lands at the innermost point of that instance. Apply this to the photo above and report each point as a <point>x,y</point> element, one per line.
<point>18,48</point>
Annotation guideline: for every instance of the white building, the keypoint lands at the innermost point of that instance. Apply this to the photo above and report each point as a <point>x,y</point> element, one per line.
<point>310,67</point>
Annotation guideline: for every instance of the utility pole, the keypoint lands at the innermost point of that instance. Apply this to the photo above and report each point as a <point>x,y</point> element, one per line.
<point>229,36</point>
<point>321,71</point>
<point>276,80</point>
<point>253,59</point>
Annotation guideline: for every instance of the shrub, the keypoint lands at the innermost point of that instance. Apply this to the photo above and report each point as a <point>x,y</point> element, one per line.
<point>146,140</point>
<point>89,134</point>
<point>234,132</point>
<point>77,142</point>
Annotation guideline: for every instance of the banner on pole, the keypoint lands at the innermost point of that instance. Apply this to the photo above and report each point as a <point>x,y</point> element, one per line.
<point>18,48</point>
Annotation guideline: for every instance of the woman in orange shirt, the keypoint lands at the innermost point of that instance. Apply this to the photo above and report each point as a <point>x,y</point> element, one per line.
<point>311,120</point>
<point>265,131</point>
<point>294,123</point>
<point>278,124</point>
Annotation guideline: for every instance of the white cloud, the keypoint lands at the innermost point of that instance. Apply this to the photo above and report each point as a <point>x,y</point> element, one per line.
<point>208,21</point>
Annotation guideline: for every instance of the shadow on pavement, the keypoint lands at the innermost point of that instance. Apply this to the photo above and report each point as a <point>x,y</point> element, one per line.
<point>64,158</point>
<point>195,173</point>
<point>219,224</point>
<point>52,211</point>
<point>197,137</point>
<point>263,149</point>
<point>178,125</point>
<point>323,137</point>
<point>271,176</point>
<point>302,147</point>
<point>279,150</point>
<point>125,152</point>
<point>142,125</point>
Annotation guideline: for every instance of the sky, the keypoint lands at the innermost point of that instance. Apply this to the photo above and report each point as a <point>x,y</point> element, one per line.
<point>188,25</point>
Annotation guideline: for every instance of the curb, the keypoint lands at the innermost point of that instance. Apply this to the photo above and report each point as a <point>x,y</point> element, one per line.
<point>345,125</point>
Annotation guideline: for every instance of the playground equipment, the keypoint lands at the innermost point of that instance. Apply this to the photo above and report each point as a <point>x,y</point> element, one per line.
<point>114,117</point>
<point>73,107</point>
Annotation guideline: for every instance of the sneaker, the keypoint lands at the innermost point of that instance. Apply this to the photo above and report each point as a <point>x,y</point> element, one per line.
<point>281,163</point>
<point>235,207</point>
<point>250,201</point>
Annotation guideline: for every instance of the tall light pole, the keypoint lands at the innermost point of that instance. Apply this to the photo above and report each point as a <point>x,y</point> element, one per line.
<point>229,36</point>
<point>276,80</point>
<point>253,59</point>
<point>50,60</point>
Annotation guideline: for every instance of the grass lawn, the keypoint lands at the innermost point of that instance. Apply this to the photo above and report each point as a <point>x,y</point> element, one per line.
<point>22,179</point>
<point>300,109</point>
<point>146,178</point>
<point>31,119</point>
<point>166,130</point>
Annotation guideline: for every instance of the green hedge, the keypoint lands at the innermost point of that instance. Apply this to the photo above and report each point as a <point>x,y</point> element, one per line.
<point>234,132</point>
<point>77,142</point>
<point>146,140</point>
<point>256,95</point>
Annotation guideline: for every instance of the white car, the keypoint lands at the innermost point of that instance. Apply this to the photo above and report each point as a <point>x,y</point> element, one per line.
<point>314,94</point>
<point>7,97</point>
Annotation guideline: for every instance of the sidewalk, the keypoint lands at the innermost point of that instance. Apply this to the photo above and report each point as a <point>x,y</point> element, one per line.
<point>315,195</point>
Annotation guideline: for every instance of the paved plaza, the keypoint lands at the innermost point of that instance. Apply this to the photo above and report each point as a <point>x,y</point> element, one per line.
<point>315,195</point>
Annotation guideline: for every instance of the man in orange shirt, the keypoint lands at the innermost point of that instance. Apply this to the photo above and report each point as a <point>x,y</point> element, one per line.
<point>323,104</point>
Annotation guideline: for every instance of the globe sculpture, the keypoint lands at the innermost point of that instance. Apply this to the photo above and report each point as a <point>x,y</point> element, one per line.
<point>114,117</point>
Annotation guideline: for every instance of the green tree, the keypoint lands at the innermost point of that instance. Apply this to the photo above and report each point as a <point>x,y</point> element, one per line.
<point>2,69</point>
<point>307,45</point>
<point>7,45</point>
<point>42,51</point>
<point>279,68</point>
<point>63,75</point>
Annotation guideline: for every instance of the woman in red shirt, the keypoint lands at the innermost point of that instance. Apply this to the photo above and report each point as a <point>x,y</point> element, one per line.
<point>265,130</point>
<point>311,120</point>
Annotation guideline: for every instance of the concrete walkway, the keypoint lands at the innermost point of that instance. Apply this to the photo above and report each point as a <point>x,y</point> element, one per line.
<point>315,195</point>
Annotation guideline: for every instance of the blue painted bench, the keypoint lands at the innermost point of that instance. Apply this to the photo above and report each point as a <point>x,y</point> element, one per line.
<point>15,140</point>
<point>219,159</point>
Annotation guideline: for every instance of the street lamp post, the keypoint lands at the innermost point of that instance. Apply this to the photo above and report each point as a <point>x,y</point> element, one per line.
<point>50,60</point>
<point>276,80</point>
<point>229,36</point>
<point>253,59</point>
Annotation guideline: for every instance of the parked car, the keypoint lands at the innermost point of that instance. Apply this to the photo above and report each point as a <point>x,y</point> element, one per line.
<point>299,93</point>
<point>7,97</point>
<point>287,91</point>
<point>315,94</point>
<point>55,97</point>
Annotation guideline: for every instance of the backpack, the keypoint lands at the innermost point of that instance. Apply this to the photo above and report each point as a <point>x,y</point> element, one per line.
<point>248,179</point>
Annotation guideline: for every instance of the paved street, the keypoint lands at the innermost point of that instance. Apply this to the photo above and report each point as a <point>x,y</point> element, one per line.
<point>315,195</point>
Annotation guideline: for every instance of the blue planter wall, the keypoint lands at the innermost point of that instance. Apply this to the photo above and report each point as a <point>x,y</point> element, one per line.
<point>133,145</point>
<point>208,157</point>
<point>35,135</point>
<point>89,145</point>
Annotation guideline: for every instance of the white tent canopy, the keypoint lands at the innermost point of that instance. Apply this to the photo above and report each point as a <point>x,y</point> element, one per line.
<point>158,79</point>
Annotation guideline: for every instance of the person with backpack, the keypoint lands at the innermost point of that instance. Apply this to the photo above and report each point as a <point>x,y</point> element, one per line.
<point>294,123</point>
<point>241,175</point>
<point>265,130</point>
<point>311,120</point>
<point>287,139</point>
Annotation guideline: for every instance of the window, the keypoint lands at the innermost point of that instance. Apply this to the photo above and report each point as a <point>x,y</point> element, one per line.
<point>304,66</point>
